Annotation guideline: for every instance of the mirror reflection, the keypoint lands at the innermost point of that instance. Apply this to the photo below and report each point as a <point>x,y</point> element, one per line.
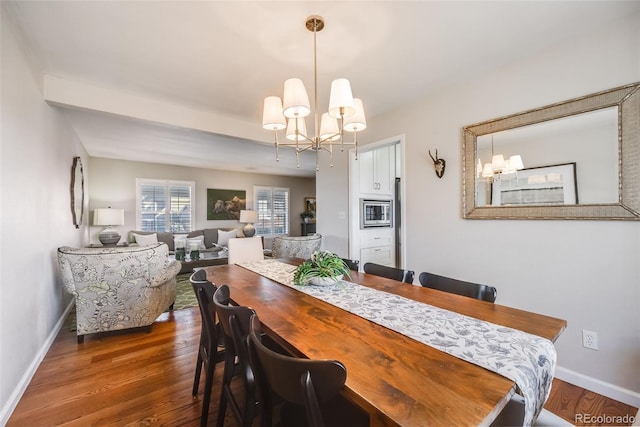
<point>576,159</point>
<point>570,160</point>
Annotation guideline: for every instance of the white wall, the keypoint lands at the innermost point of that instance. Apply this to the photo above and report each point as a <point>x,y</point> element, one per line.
<point>333,212</point>
<point>36,154</point>
<point>587,272</point>
<point>113,183</point>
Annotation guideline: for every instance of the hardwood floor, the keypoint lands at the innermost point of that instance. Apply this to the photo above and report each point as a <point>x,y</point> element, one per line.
<point>143,379</point>
<point>583,407</point>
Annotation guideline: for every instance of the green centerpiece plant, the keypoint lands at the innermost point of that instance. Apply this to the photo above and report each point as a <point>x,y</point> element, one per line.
<point>324,267</point>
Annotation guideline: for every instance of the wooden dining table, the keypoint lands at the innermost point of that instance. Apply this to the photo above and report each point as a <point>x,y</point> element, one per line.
<point>397,380</point>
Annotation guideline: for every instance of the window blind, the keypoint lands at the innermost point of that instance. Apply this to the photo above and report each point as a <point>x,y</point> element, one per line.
<point>164,205</point>
<point>272,205</point>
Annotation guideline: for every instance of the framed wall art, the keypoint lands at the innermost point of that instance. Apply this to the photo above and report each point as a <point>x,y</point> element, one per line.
<point>310,204</point>
<point>225,204</point>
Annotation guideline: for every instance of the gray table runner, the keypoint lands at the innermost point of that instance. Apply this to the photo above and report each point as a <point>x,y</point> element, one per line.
<point>526,359</point>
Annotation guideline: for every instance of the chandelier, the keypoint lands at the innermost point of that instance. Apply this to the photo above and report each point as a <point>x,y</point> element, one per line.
<point>345,112</point>
<point>499,166</point>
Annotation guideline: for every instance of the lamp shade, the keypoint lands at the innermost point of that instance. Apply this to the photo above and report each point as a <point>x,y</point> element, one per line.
<point>108,216</point>
<point>296,100</point>
<point>487,171</point>
<point>291,128</point>
<point>357,121</point>
<point>248,216</point>
<point>341,97</point>
<point>329,127</point>
<point>272,117</point>
<point>497,162</point>
<point>515,162</point>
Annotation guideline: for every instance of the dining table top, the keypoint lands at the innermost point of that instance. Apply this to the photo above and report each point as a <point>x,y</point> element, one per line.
<point>397,380</point>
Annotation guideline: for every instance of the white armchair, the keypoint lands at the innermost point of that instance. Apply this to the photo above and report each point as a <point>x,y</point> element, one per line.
<point>118,288</point>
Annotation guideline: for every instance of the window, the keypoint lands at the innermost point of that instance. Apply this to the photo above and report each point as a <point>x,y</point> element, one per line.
<point>272,205</point>
<point>164,205</point>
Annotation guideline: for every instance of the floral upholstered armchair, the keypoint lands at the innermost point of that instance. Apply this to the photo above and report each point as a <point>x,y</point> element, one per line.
<point>296,247</point>
<point>118,288</point>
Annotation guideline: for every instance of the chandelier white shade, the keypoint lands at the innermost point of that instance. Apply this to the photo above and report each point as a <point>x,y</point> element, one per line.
<point>344,113</point>
<point>291,128</point>
<point>329,127</point>
<point>357,121</point>
<point>272,118</point>
<point>341,99</point>
<point>296,100</point>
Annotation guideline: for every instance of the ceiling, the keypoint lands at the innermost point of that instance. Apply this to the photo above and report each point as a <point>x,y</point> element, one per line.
<point>183,82</point>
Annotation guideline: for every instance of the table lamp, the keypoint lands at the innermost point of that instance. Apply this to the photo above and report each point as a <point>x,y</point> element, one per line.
<point>109,217</point>
<point>248,217</point>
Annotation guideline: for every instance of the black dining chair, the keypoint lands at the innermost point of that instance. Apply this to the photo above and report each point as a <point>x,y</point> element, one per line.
<point>353,264</point>
<point>405,276</point>
<point>459,287</point>
<point>235,325</point>
<point>211,347</point>
<point>309,389</point>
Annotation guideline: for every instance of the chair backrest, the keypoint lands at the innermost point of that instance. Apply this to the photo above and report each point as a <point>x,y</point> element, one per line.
<point>296,247</point>
<point>103,262</point>
<point>353,264</point>
<point>235,322</point>
<point>398,274</point>
<point>245,249</point>
<point>204,291</point>
<point>459,287</point>
<point>199,276</point>
<point>234,319</point>
<point>299,381</point>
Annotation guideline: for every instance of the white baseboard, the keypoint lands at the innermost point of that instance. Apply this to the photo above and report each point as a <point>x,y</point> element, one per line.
<point>15,397</point>
<point>611,391</point>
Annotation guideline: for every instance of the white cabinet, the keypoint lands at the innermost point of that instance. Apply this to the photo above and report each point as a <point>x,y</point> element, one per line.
<point>376,245</point>
<point>377,171</point>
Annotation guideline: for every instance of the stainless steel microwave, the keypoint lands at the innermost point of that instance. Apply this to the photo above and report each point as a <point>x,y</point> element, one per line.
<point>376,213</point>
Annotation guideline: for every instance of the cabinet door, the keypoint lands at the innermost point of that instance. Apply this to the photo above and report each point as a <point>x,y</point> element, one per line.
<point>377,171</point>
<point>372,237</point>
<point>366,165</point>
<point>381,255</point>
<point>382,161</point>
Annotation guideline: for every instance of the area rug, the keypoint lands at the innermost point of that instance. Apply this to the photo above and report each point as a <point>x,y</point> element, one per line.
<point>185,297</point>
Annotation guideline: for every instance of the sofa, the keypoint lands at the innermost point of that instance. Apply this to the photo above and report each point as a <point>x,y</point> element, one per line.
<point>118,287</point>
<point>210,237</point>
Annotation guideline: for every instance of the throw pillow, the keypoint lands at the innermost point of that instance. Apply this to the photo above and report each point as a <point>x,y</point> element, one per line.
<point>199,240</point>
<point>146,239</point>
<point>224,236</point>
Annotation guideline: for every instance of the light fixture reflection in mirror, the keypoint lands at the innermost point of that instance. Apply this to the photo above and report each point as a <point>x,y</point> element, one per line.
<point>592,142</point>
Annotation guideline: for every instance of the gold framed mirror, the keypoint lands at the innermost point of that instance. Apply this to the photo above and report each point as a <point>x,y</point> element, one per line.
<point>77,191</point>
<point>514,166</point>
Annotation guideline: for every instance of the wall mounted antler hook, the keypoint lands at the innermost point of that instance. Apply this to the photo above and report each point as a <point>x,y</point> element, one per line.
<point>438,164</point>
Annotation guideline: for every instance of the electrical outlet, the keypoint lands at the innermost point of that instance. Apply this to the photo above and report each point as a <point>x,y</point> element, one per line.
<point>589,339</point>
